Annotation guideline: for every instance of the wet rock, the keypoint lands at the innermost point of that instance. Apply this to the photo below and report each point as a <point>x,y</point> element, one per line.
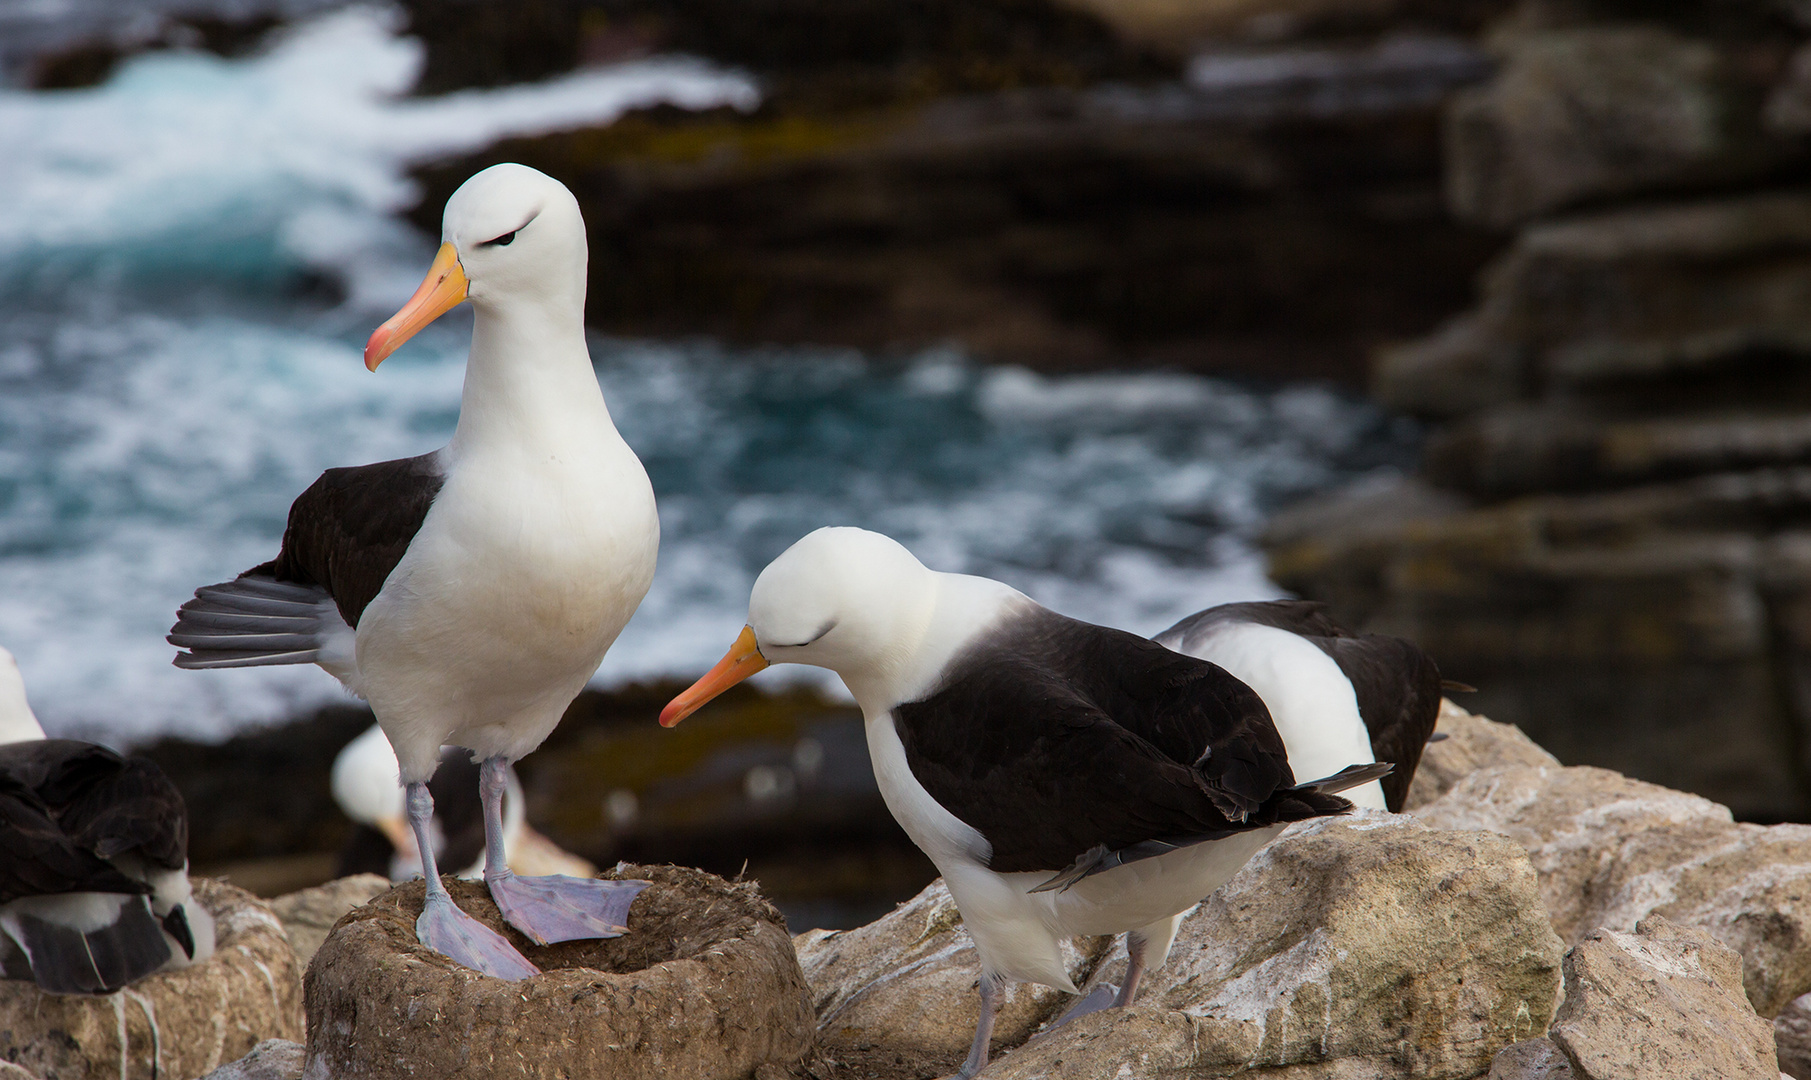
<point>907,981</point>
<point>1535,1059</point>
<point>1601,111</point>
<point>1371,947</point>
<point>1664,1001</point>
<point>272,1059</point>
<point>173,1023</point>
<point>1792,1038</point>
<point>704,985</point>
<point>1472,742</point>
<point>1612,851</point>
<point>307,915</point>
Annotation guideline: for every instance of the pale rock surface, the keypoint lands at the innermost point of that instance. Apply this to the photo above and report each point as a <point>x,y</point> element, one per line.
<point>182,1023</point>
<point>1472,742</point>
<point>1665,1001</point>
<point>1368,947</point>
<point>1534,1059</point>
<point>1611,851</point>
<point>9,1071</point>
<point>272,1059</point>
<point>907,980</point>
<point>308,914</point>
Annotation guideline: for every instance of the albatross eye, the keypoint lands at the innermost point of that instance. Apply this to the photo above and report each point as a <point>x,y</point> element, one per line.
<point>504,240</point>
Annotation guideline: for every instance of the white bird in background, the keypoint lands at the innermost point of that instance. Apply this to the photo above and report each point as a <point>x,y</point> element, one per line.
<point>367,785</point>
<point>94,869</point>
<point>1066,778</point>
<point>1336,696</point>
<point>468,594</point>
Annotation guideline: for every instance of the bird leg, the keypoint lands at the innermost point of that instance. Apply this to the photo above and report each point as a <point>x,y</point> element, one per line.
<point>1106,995</point>
<point>1135,949</point>
<point>984,1028</point>
<point>448,930</point>
<point>554,907</point>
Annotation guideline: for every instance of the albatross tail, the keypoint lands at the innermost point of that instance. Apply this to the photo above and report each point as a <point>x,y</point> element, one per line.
<point>255,620</point>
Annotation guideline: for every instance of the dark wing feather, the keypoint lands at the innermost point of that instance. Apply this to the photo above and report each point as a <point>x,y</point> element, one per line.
<point>351,527</point>
<point>93,801</point>
<point>1398,688</point>
<point>37,858</point>
<point>1052,737</point>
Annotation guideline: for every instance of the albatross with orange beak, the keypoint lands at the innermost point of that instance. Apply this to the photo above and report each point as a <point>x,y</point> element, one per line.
<point>468,594</point>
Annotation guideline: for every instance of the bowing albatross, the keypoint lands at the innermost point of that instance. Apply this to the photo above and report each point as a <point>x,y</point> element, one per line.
<point>1065,778</point>
<point>469,593</point>
<point>1337,697</point>
<point>94,867</point>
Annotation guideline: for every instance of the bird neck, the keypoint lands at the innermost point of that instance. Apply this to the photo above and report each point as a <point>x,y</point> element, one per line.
<point>529,381</point>
<point>17,723</point>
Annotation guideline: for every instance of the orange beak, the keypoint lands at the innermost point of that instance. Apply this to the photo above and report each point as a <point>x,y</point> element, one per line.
<point>444,288</point>
<point>743,659</point>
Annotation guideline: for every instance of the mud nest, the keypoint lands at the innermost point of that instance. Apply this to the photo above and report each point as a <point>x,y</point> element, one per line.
<point>181,1023</point>
<point>704,985</point>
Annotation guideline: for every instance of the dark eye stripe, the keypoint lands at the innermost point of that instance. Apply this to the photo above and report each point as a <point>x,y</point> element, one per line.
<point>504,240</point>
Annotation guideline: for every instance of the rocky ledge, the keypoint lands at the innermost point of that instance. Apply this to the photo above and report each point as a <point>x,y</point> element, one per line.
<point>1523,920</point>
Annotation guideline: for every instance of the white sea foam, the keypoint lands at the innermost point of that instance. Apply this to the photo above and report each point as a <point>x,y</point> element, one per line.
<point>191,162</point>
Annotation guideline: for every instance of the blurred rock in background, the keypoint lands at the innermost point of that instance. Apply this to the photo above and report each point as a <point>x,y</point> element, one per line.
<point>1612,534</point>
<point>1061,186</point>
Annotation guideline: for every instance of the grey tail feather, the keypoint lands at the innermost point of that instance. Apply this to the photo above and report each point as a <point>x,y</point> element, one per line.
<point>67,961</point>
<point>1349,777</point>
<point>249,622</point>
<point>1438,736</point>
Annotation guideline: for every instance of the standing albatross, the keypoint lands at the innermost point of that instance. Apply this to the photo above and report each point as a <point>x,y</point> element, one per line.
<point>1066,778</point>
<point>94,865</point>
<point>468,594</point>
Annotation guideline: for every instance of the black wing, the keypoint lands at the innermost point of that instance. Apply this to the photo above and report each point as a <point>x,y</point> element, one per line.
<point>1397,684</point>
<point>351,527</point>
<point>67,808</point>
<point>1398,688</point>
<point>1053,737</point>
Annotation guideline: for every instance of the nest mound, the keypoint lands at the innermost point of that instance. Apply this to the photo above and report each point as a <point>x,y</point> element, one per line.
<point>179,1023</point>
<point>704,985</point>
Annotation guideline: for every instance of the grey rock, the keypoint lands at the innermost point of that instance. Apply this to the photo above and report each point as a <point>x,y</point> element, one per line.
<point>185,1022</point>
<point>704,985</point>
<point>308,914</point>
<point>1598,111</point>
<point>272,1059</point>
<point>907,980</point>
<point>1792,1038</point>
<point>1612,851</point>
<point>1471,743</point>
<point>1534,1059</point>
<point>1664,1001</point>
<point>1370,947</point>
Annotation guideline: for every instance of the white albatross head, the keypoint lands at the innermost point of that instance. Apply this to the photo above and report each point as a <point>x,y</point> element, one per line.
<point>511,237</point>
<point>849,600</point>
<point>17,722</point>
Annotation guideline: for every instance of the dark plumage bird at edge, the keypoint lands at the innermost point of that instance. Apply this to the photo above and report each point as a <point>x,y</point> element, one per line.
<point>94,868</point>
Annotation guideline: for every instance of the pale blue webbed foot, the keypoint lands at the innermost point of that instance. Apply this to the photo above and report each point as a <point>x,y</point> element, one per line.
<point>454,934</point>
<point>1104,996</point>
<point>561,908</point>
